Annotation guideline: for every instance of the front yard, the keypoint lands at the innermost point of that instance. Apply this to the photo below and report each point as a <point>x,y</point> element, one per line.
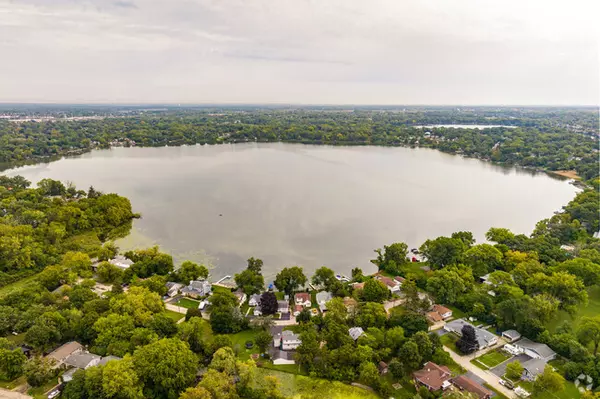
<point>449,340</point>
<point>174,315</point>
<point>491,359</point>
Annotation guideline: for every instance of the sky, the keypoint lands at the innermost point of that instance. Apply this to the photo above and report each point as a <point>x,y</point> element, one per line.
<point>509,52</point>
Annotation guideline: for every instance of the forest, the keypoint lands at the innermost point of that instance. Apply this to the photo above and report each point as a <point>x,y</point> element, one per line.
<point>540,138</point>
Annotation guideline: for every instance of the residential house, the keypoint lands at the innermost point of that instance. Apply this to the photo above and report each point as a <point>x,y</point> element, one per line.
<point>434,317</point>
<point>82,360</point>
<point>286,340</point>
<point>535,349</point>
<point>107,359</point>
<point>383,368</point>
<point>355,332</point>
<point>464,383</point>
<point>433,377</point>
<point>121,262</point>
<point>533,367</point>
<point>173,288</point>
<point>282,357</point>
<point>302,299</point>
<point>358,286</point>
<point>241,297</point>
<point>322,298</point>
<point>511,335</point>
<point>484,337</point>
<point>254,300</point>
<point>60,354</point>
<point>197,289</point>
<point>390,283</point>
<point>283,307</point>
<point>297,310</point>
<point>67,376</point>
<point>443,311</point>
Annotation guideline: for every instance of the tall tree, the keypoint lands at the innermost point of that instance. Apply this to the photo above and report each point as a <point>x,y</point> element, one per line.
<point>268,303</point>
<point>375,291</point>
<point>443,251</point>
<point>120,381</point>
<point>250,282</point>
<point>324,277</point>
<point>255,265</point>
<point>468,341</point>
<point>548,382</point>
<point>589,332</point>
<point>290,279</point>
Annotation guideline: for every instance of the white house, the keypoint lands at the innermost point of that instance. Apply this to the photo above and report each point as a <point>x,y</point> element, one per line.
<point>283,307</point>
<point>283,357</point>
<point>287,340</point>
<point>511,335</point>
<point>535,349</point>
<point>60,354</point>
<point>322,298</point>
<point>443,311</point>
<point>392,284</point>
<point>173,289</point>
<point>83,360</point>
<point>197,288</point>
<point>254,300</point>
<point>302,299</point>
<point>484,337</point>
<point>241,297</point>
<point>355,332</point>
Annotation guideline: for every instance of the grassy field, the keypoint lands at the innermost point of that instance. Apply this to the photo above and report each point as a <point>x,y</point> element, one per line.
<point>449,340</point>
<point>570,391</point>
<point>174,315</point>
<point>302,387</point>
<point>17,286</point>
<point>593,309</point>
<point>490,359</point>
<point>239,343</point>
<point>38,393</point>
<point>12,384</point>
<point>188,303</point>
<point>456,312</point>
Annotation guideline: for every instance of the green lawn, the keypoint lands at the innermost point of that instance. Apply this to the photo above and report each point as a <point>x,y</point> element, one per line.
<point>188,303</point>
<point>490,359</point>
<point>16,339</point>
<point>38,393</point>
<point>498,394</point>
<point>12,384</point>
<point>17,286</point>
<point>593,309</point>
<point>239,343</point>
<point>217,288</point>
<point>286,368</point>
<point>456,312</point>
<point>449,340</point>
<point>302,387</point>
<point>174,315</point>
<point>570,391</point>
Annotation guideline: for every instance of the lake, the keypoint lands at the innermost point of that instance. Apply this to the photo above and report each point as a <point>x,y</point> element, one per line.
<point>293,204</point>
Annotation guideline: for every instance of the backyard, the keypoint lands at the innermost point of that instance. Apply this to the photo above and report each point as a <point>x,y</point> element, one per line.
<point>188,303</point>
<point>449,340</point>
<point>592,309</point>
<point>174,315</point>
<point>239,343</point>
<point>491,359</point>
<point>570,391</point>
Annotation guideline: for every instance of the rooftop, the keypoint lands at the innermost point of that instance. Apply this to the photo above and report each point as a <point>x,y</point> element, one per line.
<point>433,375</point>
<point>467,384</point>
<point>62,352</point>
<point>542,349</point>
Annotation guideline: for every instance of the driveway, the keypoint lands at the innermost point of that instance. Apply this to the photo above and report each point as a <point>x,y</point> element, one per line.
<point>490,378</point>
<point>392,304</point>
<point>500,369</point>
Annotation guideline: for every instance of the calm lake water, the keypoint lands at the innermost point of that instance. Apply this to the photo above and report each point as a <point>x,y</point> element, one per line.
<point>293,204</point>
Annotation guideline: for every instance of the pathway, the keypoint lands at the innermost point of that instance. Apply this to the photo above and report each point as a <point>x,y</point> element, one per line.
<point>392,304</point>
<point>183,311</point>
<point>492,379</point>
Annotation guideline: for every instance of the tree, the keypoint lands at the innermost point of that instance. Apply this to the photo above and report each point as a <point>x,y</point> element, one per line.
<point>548,381</point>
<point>165,367</point>
<point>78,262</point>
<point>589,332</point>
<point>289,279</point>
<point>375,291</point>
<point>304,316</point>
<point>196,393</point>
<point>153,283</point>
<point>309,349</point>
<point>411,322</point>
<point>499,235</point>
<point>412,299</point>
<point>193,332</point>
<point>220,385</point>
<point>12,362</point>
<point>268,303</point>
<point>139,303</point>
<point>38,371</point>
<point>76,389</point>
<point>443,251</point>
<point>464,236</point>
<point>52,276</point>
<point>224,361</point>
<point>565,287</point>
<point>514,370</point>
<point>120,381</point>
<point>193,312</point>
<point>263,340</point>
<point>394,338</point>
<point>368,373</point>
<point>191,271</point>
<point>425,345</point>
<point>357,275</point>
<point>225,320</point>
<point>163,325</point>
<point>371,314</point>
<point>250,282</point>
<point>482,259</point>
<point>449,283</point>
<point>324,277</point>
<point>255,265</point>
<point>586,270</point>
<point>468,341</point>
<point>396,369</point>
<point>109,273</point>
<point>411,358</point>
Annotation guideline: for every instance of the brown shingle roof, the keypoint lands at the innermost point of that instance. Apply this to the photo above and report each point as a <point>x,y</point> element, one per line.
<point>467,384</point>
<point>434,317</point>
<point>432,375</point>
<point>62,352</point>
<point>303,296</point>
<point>441,309</point>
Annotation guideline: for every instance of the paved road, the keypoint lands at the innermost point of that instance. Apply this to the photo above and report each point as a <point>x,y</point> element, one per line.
<point>492,379</point>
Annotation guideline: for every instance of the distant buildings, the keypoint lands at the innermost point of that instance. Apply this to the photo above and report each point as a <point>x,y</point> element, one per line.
<point>173,289</point>
<point>322,298</point>
<point>197,289</point>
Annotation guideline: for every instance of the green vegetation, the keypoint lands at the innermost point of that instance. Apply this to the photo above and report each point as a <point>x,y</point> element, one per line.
<point>449,340</point>
<point>174,315</point>
<point>491,359</point>
<point>188,303</point>
<point>592,309</point>
<point>239,344</point>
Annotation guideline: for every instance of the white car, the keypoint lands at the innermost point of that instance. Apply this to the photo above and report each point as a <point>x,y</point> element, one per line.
<point>53,394</point>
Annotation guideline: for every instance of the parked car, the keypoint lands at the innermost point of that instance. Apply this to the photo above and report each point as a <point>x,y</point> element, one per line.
<point>507,383</point>
<point>54,394</point>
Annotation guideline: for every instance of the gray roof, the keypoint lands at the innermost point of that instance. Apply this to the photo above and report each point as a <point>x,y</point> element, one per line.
<point>256,297</point>
<point>534,366</point>
<point>282,304</point>
<point>81,360</point>
<point>279,354</point>
<point>355,332</point>
<point>541,349</point>
<point>483,336</point>
<point>68,375</point>
<point>107,359</point>
<point>324,296</point>
<point>288,335</point>
<point>512,334</point>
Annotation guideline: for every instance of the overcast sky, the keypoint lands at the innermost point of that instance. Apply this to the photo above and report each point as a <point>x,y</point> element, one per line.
<point>301,51</point>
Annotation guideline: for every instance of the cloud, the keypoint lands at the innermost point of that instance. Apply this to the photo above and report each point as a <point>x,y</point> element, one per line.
<point>300,51</point>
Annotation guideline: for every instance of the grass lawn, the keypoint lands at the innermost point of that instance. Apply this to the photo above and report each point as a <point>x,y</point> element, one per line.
<point>286,368</point>
<point>38,393</point>
<point>498,394</point>
<point>456,312</point>
<point>449,340</point>
<point>570,391</point>
<point>239,343</point>
<point>593,309</point>
<point>17,286</point>
<point>280,295</point>
<point>12,384</point>
<point>188,303</point>
<point>217,288</point>
<point>16,339</point>
<point>490,359</point>
<point>174,315</point>
<point>302,387</point>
